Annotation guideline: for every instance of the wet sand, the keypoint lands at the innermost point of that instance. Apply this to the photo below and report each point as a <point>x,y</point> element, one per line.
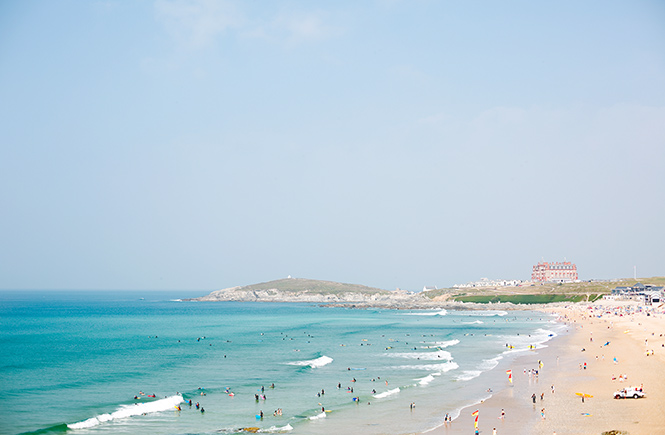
<point>626,327</point>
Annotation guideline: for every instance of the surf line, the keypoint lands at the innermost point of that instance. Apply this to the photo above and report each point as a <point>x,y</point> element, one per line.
<point>126,411</point>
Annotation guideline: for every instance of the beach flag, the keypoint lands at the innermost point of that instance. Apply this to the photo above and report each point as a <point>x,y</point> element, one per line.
<point>510,375</point>
<point>475,422</point>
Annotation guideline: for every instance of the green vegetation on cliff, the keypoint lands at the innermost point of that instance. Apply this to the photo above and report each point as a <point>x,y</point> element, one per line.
<point>297,285</point>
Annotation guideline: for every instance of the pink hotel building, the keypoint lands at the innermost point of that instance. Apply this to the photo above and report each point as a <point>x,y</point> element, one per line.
<point>565,271</point>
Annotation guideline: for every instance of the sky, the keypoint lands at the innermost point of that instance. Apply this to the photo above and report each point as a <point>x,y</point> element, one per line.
<point>396,144</point>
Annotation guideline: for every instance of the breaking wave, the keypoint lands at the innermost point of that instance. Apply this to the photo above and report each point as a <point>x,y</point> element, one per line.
<point>313,363</point>
<point>424,356</point>
<point>441,312</point>
<point>126,411</point>
<point>387,393</point>
<point>441,368</point>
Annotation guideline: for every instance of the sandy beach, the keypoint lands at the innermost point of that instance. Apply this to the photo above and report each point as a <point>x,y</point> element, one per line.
<point>609,346</point>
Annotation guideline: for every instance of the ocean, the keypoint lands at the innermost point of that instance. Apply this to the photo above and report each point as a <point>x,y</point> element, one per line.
<point>130,362</point>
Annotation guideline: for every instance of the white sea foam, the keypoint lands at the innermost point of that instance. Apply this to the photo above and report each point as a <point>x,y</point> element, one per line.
<point>276,429</point>
<point>126,411</point>
<point>479,322</point>
<point>441,312</point>
<point>441,368</point>
<point>467,375</point>
<point>313,363</point>
<point>489,364</point>
<point>318,416</point>
<point>423,356</point>
<point>441,344</point>
<point>427,379</point>
<point>387,393</point>
<point>484,366</point>
<point>482,313</point>
<point>523,342</point>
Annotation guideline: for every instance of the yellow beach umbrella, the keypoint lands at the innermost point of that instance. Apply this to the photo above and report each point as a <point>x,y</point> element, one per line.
<point>584,394</point>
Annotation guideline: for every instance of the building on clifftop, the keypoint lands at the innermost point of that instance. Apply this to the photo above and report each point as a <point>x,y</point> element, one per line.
<point>554,272</point>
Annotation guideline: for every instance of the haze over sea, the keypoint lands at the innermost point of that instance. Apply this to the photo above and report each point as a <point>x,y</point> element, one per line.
<point>74,361</point>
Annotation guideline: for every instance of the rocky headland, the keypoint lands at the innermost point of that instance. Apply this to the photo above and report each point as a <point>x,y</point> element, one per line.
<point>299,290</point>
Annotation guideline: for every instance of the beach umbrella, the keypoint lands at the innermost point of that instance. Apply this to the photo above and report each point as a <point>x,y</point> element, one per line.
<point>584,394</point>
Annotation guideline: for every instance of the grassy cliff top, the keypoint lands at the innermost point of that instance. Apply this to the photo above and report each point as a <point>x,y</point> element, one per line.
<point>296,285</point>
<point>542,292</point>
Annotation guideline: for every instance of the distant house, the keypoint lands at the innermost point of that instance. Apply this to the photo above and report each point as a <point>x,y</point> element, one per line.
<point>649,294</point>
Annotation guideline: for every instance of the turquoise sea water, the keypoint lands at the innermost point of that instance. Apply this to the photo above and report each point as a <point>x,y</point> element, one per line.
<point>74,361</point>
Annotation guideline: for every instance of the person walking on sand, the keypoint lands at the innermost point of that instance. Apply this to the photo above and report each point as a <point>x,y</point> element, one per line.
<point>494,431</point>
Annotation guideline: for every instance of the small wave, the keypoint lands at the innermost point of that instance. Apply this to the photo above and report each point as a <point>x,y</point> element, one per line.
<point>441,368</point>
<point>129,411</point>
<point>522,342</point>
<point>276,429</point>
<point>441,312</point>
<point>489,364</point>
<point>478,322</point>
<point>483,313</point>
<point>387,393</point>
<point>425,356</point>
<point>467,375</point>
<point>318,416</point>
<point>313,363</point>
<point>427,379</point>
<point>441,344</point>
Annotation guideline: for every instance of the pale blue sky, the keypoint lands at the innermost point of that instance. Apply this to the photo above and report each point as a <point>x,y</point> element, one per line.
<point>208,144</point>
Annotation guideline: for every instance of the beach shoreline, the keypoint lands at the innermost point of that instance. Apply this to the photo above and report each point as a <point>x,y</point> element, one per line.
<point>580,361</point>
